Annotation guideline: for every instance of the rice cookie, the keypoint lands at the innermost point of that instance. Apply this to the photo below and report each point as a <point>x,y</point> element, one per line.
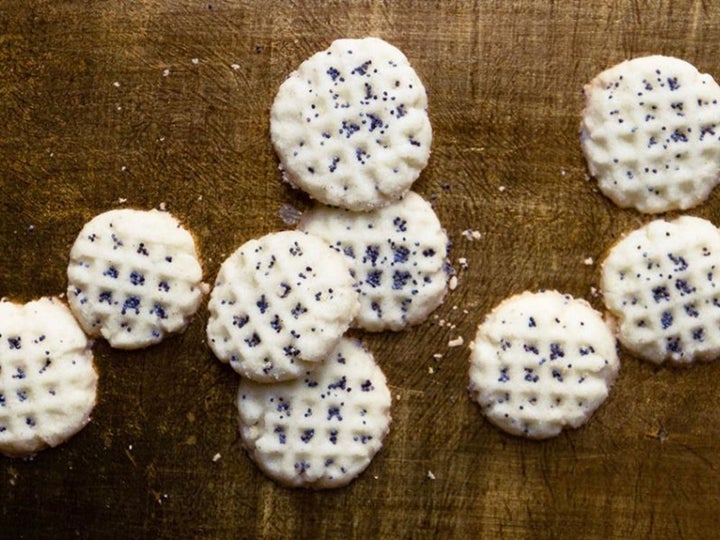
<point>651,133</point>
<point>350,125</point>
<point>48,383</point>
<point>661,283</point>
<point>397,255</point>
<point>541,362</point>
<point>280,305</point>
<point>134,277</point>
<point>323,429</point>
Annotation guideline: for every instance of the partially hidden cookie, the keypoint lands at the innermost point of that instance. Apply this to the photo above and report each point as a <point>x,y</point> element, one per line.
<point>661,283</point>
<point>651,133</point>
<point>134,277</point>
<point>350,125</point>
<point>320,430</point>
<point>280,305</point>
<point>47,379</point>
<point>541,362</point>
<point>397,255</point>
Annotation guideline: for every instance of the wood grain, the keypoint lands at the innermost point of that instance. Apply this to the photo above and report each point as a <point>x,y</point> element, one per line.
<point>505,79</point>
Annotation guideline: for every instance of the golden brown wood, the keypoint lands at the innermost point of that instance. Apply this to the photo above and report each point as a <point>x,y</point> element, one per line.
<point>504,80</point>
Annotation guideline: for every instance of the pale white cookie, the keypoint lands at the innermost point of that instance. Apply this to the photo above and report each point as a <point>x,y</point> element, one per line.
<point>47,378</point>
<point>134,277</point>
<point>323,429</point>
<point>650,132</point>
<point>661,283</point>
<point>397,254</point>
<point>541,362</point>
<point>280,305</point>
<point>350,126</point>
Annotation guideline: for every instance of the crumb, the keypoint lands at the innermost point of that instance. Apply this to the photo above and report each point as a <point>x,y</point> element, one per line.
<point>123,168</point>
<point>119,107</point>
<point>562,172</point>
<point>162,206</point>
<point>235,66</point>
<point>166,72</point>
<point>462,261</point>
<point>31,227</point>
<point>457,342</point>
<point>588,262</point>
<point>501,189</point>
<point>397,397</point>
<point>437,356</point>
<point>453,283</point>
<point>430,475</point>
<point>594,292</point>
<point>195,61</point>
<point>116,84</point>
<point>200,197</point>
<point>471,235</point>
<point>216,457</point>
<point>289,214</point>
<point>122,200</point>
<point>431,371</point>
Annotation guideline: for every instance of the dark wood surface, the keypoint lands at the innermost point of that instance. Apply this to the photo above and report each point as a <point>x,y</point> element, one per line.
<point>167,102</point>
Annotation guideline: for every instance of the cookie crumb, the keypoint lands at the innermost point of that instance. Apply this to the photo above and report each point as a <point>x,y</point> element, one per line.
<point>453,283</point>
<point>235,67</point>
<point>216,457</point>
<point>195,61</point>
<point>430,475</point>
<point>165,72</point>
<point>457,342</point>
<point>588,261</point>
<point>501,189</point>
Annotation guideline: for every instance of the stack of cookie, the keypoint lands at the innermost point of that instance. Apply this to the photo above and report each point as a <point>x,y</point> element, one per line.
<point>351,129</point>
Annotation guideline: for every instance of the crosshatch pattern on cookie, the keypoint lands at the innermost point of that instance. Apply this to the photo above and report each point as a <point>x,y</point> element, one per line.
<point>280,304</point>
<point>661,282</point>
<point>320,430</point>
<point>350,126</point>
<point>134,277</point>
<point>47,379</point>
<point>397,255</point>
<point>541,362</point>
<point>651,133</point>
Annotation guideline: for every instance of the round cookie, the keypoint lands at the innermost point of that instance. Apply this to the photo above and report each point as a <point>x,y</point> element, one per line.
<point>541,362</point>
<point>397,254</point>
<point>280,305</point>
<point>350,126</point>
<point>47,379</point>
<point>650,132</point>
<point>134,277</point>
<point>661,283</point>
<point>323,429</point>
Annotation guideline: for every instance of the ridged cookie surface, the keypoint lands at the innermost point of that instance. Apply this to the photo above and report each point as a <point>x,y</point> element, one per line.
<point>134,277</point>
<point>47,378</point>
<point>280,305</point>
<point>661,283</point>
<point>397,255</point>
<point>541,362</point>
<point>651,133</point>
<point>323,429</point>
<point>350,126</point>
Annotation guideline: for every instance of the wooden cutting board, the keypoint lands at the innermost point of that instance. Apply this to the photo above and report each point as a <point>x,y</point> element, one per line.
<point>136,104</point>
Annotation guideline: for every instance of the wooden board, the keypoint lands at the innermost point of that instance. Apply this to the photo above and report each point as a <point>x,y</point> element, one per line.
<point>167,102</point>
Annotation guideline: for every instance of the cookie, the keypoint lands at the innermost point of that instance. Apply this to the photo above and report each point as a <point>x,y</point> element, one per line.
<point>541,362</point>
<point>280,305</point>
<point>320,430</point>
<point>397,255</point>
<point>650,132</point>
<point>134,277</point>
<point>47,379</point>
<point>350,126</point>
<point>661,283</point>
